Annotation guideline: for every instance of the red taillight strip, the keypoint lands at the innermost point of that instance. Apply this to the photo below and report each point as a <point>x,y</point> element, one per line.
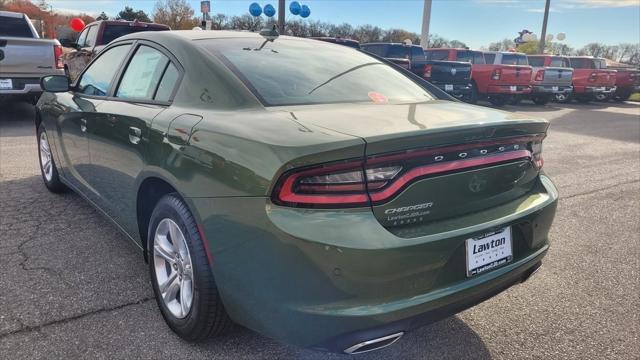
<point>442,150</point>
<point>432,169</point>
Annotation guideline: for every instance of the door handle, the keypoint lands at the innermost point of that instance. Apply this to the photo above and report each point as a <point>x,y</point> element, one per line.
<point>134,135</point>
<point>83,125</point>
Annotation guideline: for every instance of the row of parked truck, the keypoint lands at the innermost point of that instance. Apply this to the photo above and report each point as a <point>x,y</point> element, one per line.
<point>509,77</point>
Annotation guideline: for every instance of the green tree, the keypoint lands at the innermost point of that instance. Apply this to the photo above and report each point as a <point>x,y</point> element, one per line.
<point>130,15</point>
<point>103,16</point>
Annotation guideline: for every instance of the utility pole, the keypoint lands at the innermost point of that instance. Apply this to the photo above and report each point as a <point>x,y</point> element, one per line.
<point>426,18</point>
<point>543,33</point>
<point>281,13</point>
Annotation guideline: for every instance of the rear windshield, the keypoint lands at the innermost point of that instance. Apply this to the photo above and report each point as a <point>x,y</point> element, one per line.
<point>537,61</point>
<point>298,72</point>
<point>112,32</point>
<point>558,61</point>
<point>514,59</point>
<point>437,55</point>
<point>14,27</point>
<point>586,63</point>
<point>489,58</point>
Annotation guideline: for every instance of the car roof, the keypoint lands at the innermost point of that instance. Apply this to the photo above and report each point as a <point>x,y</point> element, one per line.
<point>125,22</point>
<point>12,14</point>
<point>194,35</point>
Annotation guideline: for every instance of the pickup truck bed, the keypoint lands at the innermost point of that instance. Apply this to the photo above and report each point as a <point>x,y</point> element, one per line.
<point>25,58</point>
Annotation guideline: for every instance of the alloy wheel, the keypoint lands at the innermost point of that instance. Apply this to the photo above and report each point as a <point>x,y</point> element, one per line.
<point>173,268</point>
<point>45,157</point>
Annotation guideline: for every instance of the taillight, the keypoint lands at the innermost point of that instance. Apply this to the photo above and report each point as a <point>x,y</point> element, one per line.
<point>427,70</point>
<point>497,73</point>
<point>593,77</point>
<point>57,55</point>
<point>540,75</point>
<point>380,178</point>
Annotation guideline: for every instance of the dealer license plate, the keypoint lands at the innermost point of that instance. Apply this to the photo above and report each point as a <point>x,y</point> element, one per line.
<point>554,88</point>
<point>489,251</point>
<point>6,84</point>
<point>448,87</point>
<point>513,88</point>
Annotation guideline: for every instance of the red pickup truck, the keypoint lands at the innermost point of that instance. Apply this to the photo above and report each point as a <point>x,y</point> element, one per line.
<point>627,82</point>
<point>591,79</point>
<point>496,76</point>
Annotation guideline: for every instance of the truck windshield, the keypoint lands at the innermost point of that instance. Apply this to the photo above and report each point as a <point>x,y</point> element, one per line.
<point>298,72</point>
<point>112,32</point>
<point>14,27</point>
<point>514,59</point>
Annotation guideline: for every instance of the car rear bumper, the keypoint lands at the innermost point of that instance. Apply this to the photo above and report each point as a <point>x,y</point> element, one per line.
<point>328,279</point>
<point>552,89</point>
<point>508,89</point>
<point>594,90</point>
<point>22,86</point>
<point>455,89</point>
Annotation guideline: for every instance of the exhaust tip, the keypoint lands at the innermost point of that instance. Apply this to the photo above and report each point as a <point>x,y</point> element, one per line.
<point>374,344</point>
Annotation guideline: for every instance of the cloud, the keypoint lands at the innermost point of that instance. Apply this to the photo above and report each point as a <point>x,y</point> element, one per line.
<point>592,4</point>
<point>541,10</point>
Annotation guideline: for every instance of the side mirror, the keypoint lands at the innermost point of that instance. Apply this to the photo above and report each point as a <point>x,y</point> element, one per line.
<point>55,83</point>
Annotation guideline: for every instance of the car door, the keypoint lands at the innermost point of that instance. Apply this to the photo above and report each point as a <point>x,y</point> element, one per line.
<point>80,110</point>
<point>118,142</point>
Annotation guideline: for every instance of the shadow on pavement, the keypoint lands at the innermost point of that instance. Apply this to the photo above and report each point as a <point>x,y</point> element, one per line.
<point>621,127</point>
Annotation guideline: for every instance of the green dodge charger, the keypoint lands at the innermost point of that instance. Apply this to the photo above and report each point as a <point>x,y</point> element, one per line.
<point>308,191</point>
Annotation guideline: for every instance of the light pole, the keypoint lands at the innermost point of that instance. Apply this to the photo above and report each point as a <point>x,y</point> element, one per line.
<point>281,11</point>
<point>426,18</point>
<point>543,33</point>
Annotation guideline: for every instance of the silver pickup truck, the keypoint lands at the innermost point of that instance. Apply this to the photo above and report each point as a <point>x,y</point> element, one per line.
<point>551,78</point>
<point>25,58</point>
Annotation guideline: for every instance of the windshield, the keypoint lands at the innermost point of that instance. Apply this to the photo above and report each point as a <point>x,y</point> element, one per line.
<point>297,72</point>
<point>112,32</point>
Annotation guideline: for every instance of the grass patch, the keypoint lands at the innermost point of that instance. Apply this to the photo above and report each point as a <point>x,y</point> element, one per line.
<point>635,97</point>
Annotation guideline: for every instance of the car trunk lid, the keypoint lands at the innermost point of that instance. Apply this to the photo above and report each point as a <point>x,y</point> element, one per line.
<point>433,161</point>
<point>24,56</point>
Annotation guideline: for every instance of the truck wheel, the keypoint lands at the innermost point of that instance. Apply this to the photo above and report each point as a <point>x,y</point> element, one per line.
<point>563,98</point>
<point>514,100</point>
<point>540,99</point>
<point>602,97</point>
<point>497,100</point>
<point>472,97</point>
<point>48,167</point>
<point>181,275</point>
<point>620,97</point>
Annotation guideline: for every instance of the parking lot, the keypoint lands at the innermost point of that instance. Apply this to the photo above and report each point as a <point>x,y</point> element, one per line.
<point>71,285</point>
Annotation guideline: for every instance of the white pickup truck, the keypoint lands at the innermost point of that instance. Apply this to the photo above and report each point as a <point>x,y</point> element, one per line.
<point>25,58</point>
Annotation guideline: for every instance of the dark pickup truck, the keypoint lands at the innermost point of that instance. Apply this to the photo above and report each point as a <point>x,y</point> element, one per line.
<point>96,36</point>
<point>454,77</point>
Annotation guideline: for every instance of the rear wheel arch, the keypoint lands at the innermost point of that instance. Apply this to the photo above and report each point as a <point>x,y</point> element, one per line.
<point>150,191</point>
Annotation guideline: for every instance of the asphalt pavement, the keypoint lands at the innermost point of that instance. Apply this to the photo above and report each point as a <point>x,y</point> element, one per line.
<point>72,286</point>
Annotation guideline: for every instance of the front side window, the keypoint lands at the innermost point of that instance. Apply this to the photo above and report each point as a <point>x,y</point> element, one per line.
<point>514,59</point>
<point>91,36</point>
<point>98,77</point>
<point>465,56</point>
<point>82,38</point>
<point>297,72</point>
<point>143,74</point>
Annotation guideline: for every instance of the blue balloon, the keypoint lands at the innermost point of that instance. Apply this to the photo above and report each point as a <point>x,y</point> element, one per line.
<point>295,8</point>
<point>269,10</point>
<point>255,9</point>
<point>305,11</point>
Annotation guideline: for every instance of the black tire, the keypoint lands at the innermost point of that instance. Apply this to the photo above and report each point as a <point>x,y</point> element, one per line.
<point>620,97</point>
<point>562,98</point>
<point>514,100</point>
<point>52,182</point>
<point>207,316</point>
<point>472,97</point>
<point>497,100</point>
<point>602,97</point>
<point>540,99</point>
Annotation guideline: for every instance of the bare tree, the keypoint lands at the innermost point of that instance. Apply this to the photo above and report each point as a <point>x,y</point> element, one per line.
<point>178,14</point>
<point>219,22</point>
<point>246,22</point>
<point>368,33</point>
<point>503,45</point>
<point>400,35</point>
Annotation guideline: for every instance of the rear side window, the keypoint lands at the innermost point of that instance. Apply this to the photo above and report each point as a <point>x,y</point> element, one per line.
<point>143,74</point>
<point>437,55</point>
<point>489,58</point>
<point>374,49</point>
<point>537,61</point>
<point>560,61</point>
<point>15,27</point>
<point>98,77</point>
<point>112,32</point>
<point>168,83</point>
<point>514,59</point>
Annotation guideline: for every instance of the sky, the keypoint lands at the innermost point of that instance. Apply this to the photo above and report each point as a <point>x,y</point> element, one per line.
<point>475,22</point>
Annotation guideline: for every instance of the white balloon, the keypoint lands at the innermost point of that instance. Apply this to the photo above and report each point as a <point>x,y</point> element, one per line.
<point>561,36</point>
